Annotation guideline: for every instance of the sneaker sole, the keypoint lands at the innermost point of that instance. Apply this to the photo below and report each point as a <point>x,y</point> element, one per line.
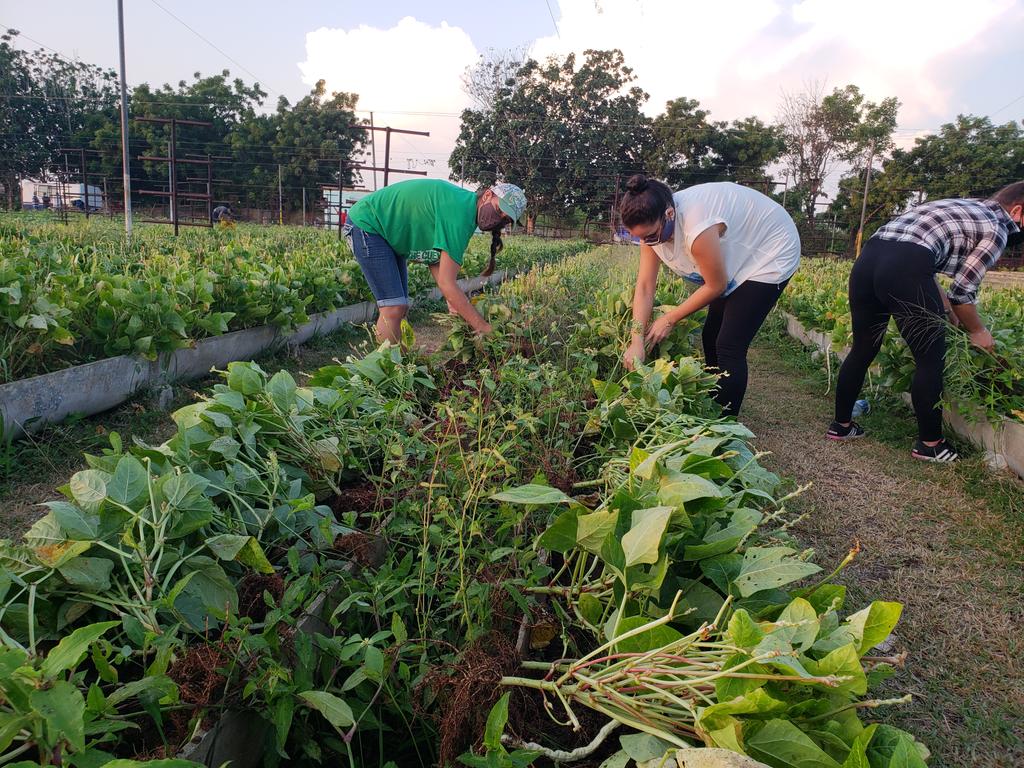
<point>840,439</point>
<point>933,459</point>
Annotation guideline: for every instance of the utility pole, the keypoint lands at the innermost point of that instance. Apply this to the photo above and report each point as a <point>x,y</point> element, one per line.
<point>280,199</point>
<point>785,189</point>
<point>303,206</point>
<point>864,202</point>
<point>373,152</point>
<point>126,168</point>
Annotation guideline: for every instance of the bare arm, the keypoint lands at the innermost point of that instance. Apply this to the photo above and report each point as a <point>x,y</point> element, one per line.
<point>643,304</point>
<point>970,321</point>
<point>445,274</point>
<point>707,255</point>
<point>643,294</point>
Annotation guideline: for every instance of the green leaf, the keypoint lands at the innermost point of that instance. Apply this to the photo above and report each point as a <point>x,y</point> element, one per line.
<point>398,629</point>
<point>892,748</point>
<point>496,720</point>
<point>561,534</point>
<point>770,567</point>
<point>722,570</point>
<point>802,614</point>
<point>208,595</point>
<point>742,523</point>
<point>824,596</point>
<point>755,702</point>
<point>283,711</point>
<point>727,688</point>
<point>782,655</point>
<point>70,650</point>
<point>858,755</point>
<point>152,688</point>
<point>89,573</point>
<point>655,637</point>
<point>75,523</point>
<point>843,662</point>
<point>226,446</point>
<point>334,709</point>
<point>618,760</point>
<point>62,706</point>
<point>641,542</point>
<point>780,743</point>
<point>10,726</point>
<point>744,630</point>
<point>129,482</point>
<point>875,623</point>
<point>678,488</point>
<point>592,529</point>
<point>184,491</point>
<point>281,389</point>
<point>227,545</point>
<point>533,494</point>
<point>89,489</point>
<point>644,746</point>
<point>244,378</point>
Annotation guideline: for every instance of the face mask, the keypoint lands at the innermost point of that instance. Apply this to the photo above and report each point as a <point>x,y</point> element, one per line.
<point>487,218</point>
<point>667,231</point>
<point>1016,238</point>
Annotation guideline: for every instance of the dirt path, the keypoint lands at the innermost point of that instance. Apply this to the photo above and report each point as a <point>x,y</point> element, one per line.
<point>940,540</point>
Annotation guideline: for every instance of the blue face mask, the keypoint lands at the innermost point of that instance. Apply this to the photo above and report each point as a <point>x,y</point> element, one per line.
<point>665,235</point>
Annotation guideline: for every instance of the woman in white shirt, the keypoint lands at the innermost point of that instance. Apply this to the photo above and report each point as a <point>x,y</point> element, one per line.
<point>738,245</point>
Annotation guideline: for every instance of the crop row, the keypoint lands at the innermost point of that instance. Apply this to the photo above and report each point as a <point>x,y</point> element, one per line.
<point>527,551</point>
<point>71,294</point>
<point>975,379</point>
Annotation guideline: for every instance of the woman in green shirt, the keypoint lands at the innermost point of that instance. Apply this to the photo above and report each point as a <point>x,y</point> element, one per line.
<point>425,215</point>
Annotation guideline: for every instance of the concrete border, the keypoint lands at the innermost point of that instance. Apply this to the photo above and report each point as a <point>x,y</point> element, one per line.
<point>1003,442</point>
<point>27,405</point>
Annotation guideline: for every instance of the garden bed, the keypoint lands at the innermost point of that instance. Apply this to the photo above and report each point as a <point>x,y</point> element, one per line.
<point>656,601</point>
<point>30,404</point>
<point>1003,441</point>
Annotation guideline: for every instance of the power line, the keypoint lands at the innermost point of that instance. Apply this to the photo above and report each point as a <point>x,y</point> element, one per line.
<point>212,45</point>
<point>553,22</point>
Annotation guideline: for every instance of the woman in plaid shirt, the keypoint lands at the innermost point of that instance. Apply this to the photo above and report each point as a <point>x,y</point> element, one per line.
<point>895,276</point>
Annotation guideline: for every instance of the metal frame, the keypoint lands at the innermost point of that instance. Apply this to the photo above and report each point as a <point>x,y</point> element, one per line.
<point>173,160</point>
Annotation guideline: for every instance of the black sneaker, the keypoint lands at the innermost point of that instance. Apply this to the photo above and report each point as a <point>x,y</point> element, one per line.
<point>942,452</point>
<point>837,431</point>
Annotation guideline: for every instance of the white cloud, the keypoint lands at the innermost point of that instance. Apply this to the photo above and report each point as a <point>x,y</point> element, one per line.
<point>411,68</point>
<point>737,56</point>
<point>675,48</point>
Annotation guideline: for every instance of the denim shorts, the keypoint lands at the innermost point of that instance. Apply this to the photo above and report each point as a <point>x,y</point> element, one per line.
<point>386,272</point>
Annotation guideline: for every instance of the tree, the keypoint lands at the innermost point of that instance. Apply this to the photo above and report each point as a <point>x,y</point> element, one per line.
<point>970,157</point>
<point>563,130</point>
<point>821,131</point>
<point>49,102</point>
<point>690,149</point>
<point>317,127</point>
<point>484,81</point>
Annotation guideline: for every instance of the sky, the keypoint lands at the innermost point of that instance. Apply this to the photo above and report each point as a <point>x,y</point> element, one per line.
<point>405,59</point>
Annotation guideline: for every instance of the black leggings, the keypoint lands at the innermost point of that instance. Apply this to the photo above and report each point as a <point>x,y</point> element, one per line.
<point>731,325</point>
<point>893,279</point>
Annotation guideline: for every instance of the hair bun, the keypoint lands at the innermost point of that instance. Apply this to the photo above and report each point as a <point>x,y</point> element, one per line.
<point>637,183</point>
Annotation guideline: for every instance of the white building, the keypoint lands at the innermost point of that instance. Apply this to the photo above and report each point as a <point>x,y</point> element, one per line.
<point>60,195</point>
<point>330,203</point>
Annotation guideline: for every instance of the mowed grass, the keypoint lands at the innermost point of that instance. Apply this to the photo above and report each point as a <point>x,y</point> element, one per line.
<point>946,541</point>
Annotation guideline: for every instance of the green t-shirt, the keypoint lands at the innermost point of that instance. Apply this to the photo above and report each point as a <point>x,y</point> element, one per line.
<point>420,215</point>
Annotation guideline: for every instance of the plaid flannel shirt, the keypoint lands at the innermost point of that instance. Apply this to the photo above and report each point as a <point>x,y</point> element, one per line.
<point>966,236</point>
